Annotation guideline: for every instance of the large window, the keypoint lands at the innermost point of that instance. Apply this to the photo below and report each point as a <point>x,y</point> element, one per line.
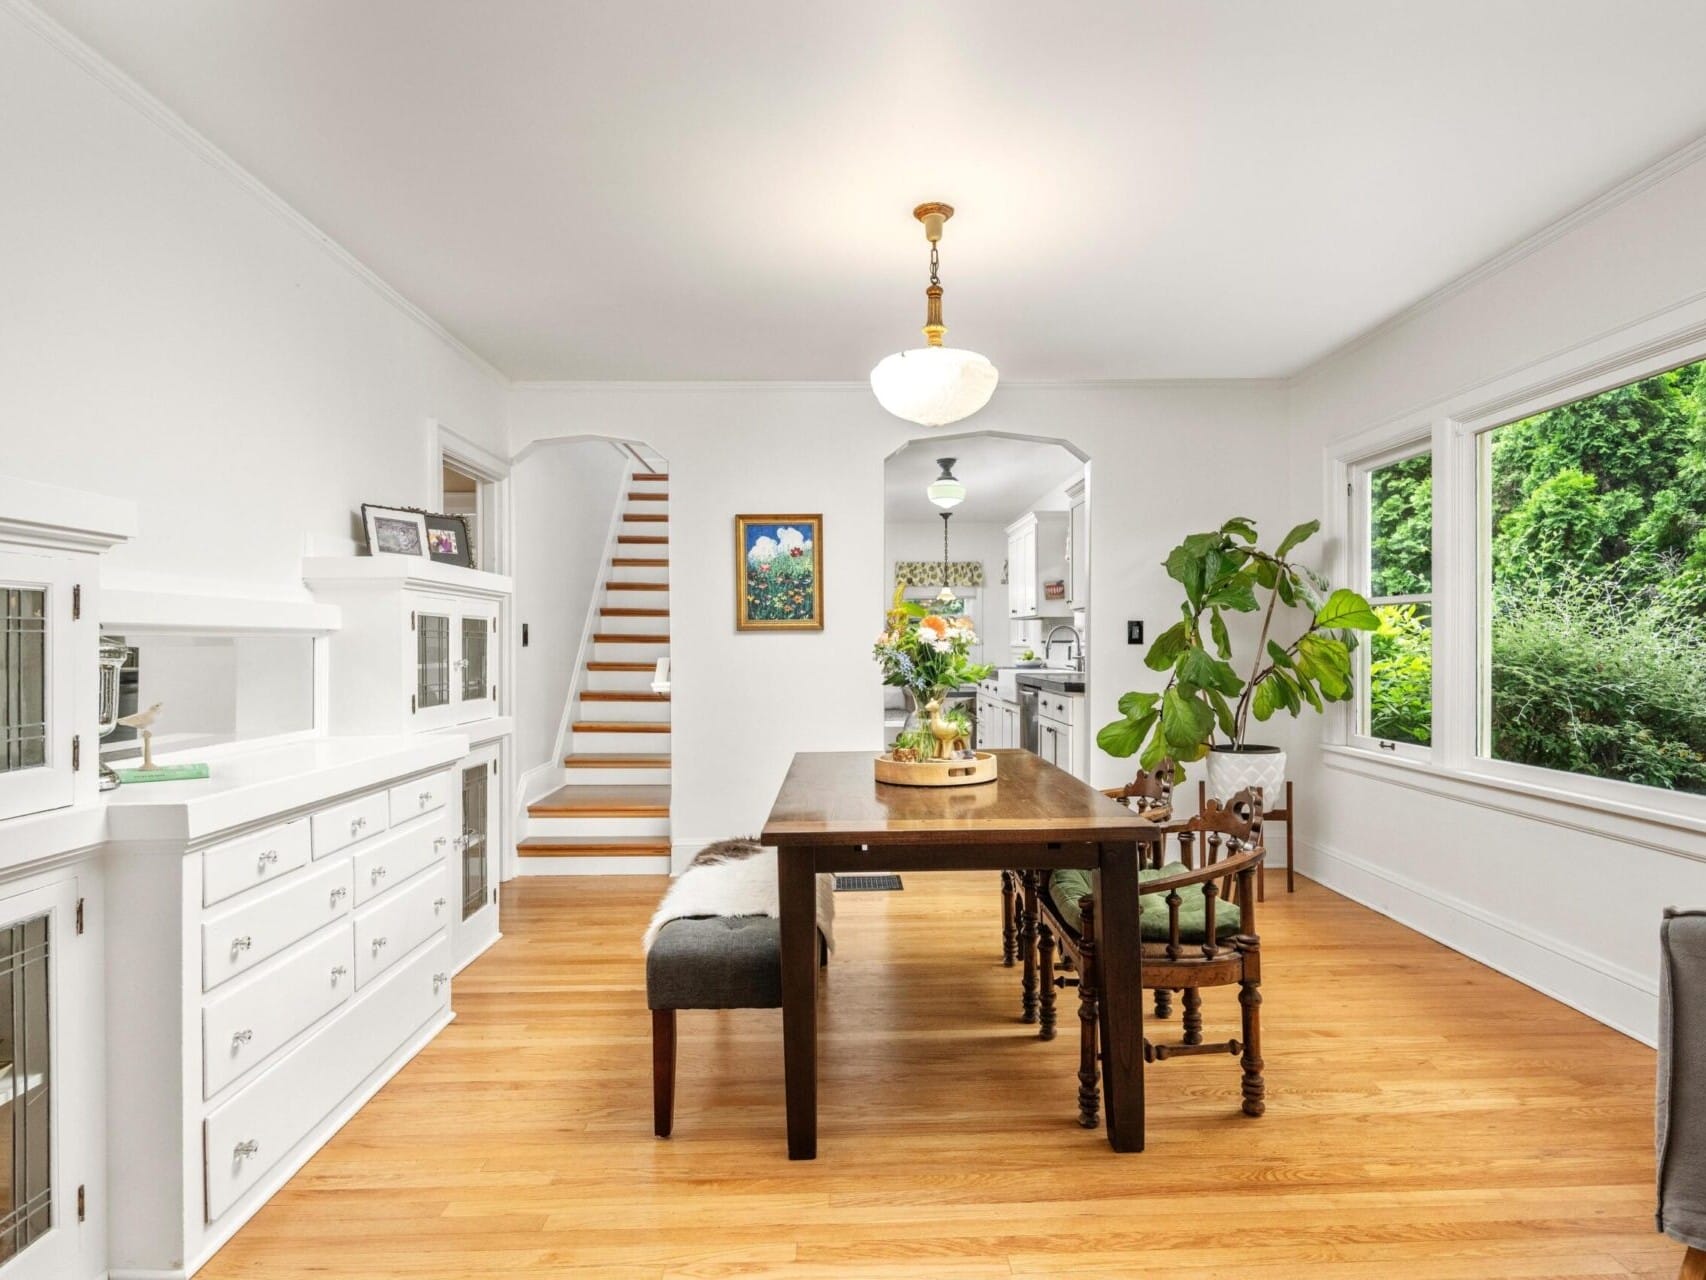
<point>1593,585</point>
<point>1393,501</point>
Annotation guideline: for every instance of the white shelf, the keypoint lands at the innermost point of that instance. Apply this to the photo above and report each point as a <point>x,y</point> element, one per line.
<point>127,610</point>
<point>404,571</point>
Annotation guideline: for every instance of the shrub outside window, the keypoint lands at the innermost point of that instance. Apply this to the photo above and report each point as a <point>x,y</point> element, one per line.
<point>1393,506</point>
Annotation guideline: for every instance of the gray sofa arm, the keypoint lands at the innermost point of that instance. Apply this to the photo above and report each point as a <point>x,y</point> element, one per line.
<point>1681,1111</point>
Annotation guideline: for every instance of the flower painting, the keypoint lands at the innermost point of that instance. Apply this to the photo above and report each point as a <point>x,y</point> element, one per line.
<point>779,573</point>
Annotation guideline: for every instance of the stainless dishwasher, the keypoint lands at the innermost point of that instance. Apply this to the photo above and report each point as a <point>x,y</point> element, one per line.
<point>1028,733</point>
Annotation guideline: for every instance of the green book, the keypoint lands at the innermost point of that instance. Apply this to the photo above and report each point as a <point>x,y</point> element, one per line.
<point>163,773</point>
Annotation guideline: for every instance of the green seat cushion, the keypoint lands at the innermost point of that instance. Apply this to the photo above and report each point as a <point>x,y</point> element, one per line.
<point>1067,886</point>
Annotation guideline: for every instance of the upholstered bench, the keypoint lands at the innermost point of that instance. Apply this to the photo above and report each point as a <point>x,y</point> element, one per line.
<point>720,962</point>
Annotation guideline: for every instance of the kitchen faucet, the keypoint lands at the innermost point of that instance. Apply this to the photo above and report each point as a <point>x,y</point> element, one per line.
<point>1077,644</point>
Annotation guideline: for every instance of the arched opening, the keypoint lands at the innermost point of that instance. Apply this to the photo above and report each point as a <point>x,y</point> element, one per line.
<point>1014,555</point>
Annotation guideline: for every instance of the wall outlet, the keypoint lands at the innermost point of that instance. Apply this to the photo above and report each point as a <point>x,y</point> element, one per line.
<point>1134,633</point>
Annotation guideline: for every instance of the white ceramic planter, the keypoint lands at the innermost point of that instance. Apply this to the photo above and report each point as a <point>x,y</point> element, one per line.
<point>1230,772</point>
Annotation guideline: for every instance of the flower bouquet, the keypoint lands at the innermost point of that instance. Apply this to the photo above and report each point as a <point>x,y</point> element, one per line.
<point>928,656</point>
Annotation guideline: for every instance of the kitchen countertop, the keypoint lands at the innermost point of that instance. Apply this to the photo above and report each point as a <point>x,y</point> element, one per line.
<point>1052,681</point>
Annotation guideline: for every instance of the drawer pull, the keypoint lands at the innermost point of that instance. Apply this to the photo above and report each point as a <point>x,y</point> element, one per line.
<point>269,858</point>
<point>438,980</point>
<point>245,1149</point>
<point>441,842</point>
<point>355,826</point>
<point>378,874</point>
<point>379,945</point>
<point>338,971</point>
<point>426,798</point>
<point>239,1038</point>
<point>438,904</point>
<point>337,893</point>
<point>240,945</point>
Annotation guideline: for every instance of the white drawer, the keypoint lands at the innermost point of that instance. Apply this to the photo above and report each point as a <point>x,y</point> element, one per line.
<point>422,795</point>
<point>385,864</point>
<point>1055,706</point>
<point>248,1023</point>
<point>263,926</point>
<point>236,865</point>
<point>343,824</point>
<point>399,922</point>
<point>266,1119</point>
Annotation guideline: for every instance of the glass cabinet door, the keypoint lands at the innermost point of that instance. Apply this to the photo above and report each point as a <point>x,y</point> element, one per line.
<point>476,660</point>
<point>23,667</point>
<point>476,845</point>
<point>26,1201</point>
<point>432,661</point>
<point>36,728</point>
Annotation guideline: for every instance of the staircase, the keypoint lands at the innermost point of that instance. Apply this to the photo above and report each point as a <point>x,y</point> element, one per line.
<point>611,814</point>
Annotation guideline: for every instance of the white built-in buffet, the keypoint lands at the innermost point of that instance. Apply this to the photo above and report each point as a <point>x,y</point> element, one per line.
<point>202,980</point>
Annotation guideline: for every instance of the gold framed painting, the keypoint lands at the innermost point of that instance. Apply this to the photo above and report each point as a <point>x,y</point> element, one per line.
<point>779,573</point>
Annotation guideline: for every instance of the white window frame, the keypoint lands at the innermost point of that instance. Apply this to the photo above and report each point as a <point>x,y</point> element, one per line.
<point>1671,822</point>
<point>1359,550</point>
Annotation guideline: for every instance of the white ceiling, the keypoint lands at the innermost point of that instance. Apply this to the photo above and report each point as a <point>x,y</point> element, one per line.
<point>1003,477</point>
<point>1177,188</point>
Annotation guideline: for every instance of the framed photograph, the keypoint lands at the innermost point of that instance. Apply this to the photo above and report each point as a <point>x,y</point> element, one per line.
<point>394,531</point>
<point>447,540</point>
<point>779,573</point>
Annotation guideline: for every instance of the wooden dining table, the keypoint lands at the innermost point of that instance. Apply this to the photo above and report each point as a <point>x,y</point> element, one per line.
<point>832,815</point>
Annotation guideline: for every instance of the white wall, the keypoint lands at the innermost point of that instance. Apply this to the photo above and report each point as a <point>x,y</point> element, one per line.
<point>565,496</point>
<point>744,703</point>
<point>169,334</point>
<point>1564,899</point>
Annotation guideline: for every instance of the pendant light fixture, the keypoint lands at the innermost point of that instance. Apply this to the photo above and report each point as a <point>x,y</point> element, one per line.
<point>933,385</point>
<point>947,492</point>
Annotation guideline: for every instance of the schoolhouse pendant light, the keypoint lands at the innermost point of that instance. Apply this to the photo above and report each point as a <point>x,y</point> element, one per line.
<point>946,491</point>
<point>933,385</point>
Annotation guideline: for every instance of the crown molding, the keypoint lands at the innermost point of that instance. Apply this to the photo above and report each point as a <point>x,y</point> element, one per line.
<point>1610,198</point>
<point>176,127</point>
<point>690,386</point>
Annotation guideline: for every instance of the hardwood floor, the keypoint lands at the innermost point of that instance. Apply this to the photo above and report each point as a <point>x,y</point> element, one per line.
<point>1427,1120</point>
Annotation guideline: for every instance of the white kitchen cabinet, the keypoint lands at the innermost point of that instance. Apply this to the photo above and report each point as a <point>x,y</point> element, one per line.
<point>1077,550</point>
<point>1036,557</point>
<point>1062,733</point>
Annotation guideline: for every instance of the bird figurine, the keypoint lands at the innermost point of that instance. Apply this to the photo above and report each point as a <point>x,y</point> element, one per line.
<point>142,721</point>
<point>949,739</point>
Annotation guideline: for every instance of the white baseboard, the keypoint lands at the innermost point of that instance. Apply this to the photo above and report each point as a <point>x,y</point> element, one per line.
<point>1619,997</point>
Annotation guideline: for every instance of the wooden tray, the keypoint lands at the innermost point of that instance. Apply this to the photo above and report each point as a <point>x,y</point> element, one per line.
<point>936,773</point>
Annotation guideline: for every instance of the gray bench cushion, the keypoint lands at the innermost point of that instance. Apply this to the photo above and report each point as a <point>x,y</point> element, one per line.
<point>716,962</point>
<point>1682,1078</point>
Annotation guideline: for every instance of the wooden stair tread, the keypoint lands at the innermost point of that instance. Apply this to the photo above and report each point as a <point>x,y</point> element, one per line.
<point>621,666</point>
<point>616,760</point>
<point>640,562</point>
<point>618,611</point>
<point>655,539</point>
<point>646,800</point>
<point>622,695</point>
<point>618,726</point>
<point>637,586</point>
<point>644,517</point>
<point>648,475</point>
<point>617,637</point>
<point>648,497</point>
<point>593,847</point>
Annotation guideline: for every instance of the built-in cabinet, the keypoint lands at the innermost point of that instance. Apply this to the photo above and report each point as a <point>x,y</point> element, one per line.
<point>997,718</point>
<point>1036,558</point>
<point>479,833</point>
<point>1060,719</point>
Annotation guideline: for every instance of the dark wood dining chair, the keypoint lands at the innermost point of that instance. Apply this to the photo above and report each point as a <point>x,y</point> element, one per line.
<point>1198,923</point>
<point>1287,814</point>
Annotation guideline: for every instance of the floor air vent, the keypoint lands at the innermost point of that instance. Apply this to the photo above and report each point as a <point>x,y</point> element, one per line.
<point>867,884</point>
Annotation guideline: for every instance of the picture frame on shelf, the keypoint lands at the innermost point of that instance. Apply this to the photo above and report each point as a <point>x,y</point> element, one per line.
<point>447,540</point>
<point>394,531</point>
<point>779,572</point>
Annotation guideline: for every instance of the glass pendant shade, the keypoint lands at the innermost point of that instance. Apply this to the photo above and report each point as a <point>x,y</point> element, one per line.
<point>946,491</point>
<point>933,386</point>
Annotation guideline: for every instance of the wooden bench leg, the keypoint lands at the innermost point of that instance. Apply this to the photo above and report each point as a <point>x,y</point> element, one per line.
<point>663,1071</point>
<point>1693,1265</point>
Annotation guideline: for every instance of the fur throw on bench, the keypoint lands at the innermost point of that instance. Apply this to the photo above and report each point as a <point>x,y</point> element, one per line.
<point>735,878</point>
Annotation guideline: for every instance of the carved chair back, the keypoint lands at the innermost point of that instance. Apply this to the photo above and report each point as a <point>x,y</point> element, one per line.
<point>1147,790</point>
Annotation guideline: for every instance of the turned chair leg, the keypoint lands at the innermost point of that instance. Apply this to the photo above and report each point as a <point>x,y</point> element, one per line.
<point>1163,1002</point>
<point>1693,1265</point>
<point>1193,1016</point>
<point>1028,948</point>
<point>663,1071</point>
<point>1089,1092</point>
<point>1009,931</point>
<point>1045,977</point>
<point>1250,1005</point>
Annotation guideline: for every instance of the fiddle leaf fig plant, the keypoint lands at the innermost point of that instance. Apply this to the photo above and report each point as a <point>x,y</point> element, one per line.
<point>1222,572</point>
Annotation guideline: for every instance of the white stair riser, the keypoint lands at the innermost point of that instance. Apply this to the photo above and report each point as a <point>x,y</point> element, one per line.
<point>618,598</point>
<point>658,866</point>
<point>608,828</point>
<point>625,651</point>
<point>618,743</point>
<point>633,626</point>
<point>620,573</point>
<point>617,777</point>
<point>627,712</point>
<point>631,525</point>
<point>621,681</point>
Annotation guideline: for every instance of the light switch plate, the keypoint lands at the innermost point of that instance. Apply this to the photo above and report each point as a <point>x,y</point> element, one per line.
<point>1134,633</point>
